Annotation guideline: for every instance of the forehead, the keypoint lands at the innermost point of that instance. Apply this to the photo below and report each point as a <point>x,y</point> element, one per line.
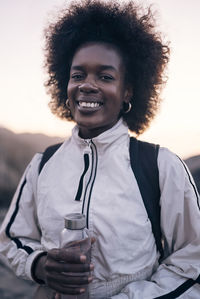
<point>98,53</point>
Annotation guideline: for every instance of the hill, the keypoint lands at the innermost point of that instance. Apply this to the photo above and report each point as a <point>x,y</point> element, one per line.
<point>16,151</point>
<point>193,164</point>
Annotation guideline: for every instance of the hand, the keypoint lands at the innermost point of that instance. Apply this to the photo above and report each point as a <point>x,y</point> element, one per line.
<point>65,270</point>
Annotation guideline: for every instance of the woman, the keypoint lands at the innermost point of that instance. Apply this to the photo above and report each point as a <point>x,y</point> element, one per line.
<point>105,64</point>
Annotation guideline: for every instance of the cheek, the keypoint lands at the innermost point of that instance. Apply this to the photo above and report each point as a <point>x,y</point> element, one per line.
<point>116,99</point>
<point>71,95</point>
<point>72,87</point>
<point>69,89</point>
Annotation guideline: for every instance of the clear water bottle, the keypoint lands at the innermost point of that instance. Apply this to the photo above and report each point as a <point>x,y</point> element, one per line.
<point>75,236</point>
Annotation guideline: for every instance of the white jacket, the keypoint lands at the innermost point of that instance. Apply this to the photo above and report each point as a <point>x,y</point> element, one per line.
<point>124,255</point>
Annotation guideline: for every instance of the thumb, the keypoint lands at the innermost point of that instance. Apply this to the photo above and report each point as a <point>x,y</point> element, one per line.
<point>93,240</point>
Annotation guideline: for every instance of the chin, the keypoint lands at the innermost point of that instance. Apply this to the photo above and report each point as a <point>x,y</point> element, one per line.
<point>90,122</point>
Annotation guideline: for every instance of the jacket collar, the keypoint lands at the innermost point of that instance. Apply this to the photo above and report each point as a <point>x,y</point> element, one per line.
<point>117,134</point>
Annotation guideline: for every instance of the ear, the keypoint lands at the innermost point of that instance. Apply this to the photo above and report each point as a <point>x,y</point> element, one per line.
<point>128,94</point>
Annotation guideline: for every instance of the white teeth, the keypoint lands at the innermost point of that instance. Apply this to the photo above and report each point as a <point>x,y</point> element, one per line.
<point>89,104</point>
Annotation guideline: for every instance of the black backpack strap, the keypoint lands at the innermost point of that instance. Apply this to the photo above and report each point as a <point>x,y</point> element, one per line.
<point>48,153</point>
<point>143,156</point>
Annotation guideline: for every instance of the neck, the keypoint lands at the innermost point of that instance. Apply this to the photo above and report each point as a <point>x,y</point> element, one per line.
<point>86,133</point>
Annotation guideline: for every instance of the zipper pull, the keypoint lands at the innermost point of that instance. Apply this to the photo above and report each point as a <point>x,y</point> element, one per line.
<point>88,142</point>
<point>88,148</point>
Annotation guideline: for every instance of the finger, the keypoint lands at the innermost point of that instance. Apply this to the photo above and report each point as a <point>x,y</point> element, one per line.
<point>52,266</point>
<point>67,290</point>
<point>93,240</point>
<point>57,296</point>
<point>66,255</point>
<point>69,279</point>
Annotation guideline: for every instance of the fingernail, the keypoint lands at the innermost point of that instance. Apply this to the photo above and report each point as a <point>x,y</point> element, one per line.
<point>91,267</point>
<point>93,239</point>
<point>90,279</point>
<point>82,290</point>
<point>82,258</point>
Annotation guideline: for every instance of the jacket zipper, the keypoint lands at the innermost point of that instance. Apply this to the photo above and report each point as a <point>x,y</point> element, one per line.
<point>90,184</point>
<point>94,170</point>
<point>80,186</point>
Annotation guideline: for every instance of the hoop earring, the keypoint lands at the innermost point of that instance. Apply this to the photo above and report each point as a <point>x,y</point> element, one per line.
<point>129,108</point>
<point>67,104</point>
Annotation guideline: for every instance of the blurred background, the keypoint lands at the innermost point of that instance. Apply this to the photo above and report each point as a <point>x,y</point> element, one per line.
<point>27,125</point>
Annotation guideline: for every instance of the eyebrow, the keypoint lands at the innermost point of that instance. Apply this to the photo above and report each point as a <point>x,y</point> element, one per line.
<point>101,67</point>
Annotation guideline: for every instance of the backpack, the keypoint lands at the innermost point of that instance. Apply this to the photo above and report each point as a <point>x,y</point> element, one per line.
<point>143,157</point>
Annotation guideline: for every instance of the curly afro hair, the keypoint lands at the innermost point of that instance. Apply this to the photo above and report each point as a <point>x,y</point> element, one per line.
<point>145,55</point>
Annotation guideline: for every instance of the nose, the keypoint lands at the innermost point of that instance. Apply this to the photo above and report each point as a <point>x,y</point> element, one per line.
<point>88,87</point>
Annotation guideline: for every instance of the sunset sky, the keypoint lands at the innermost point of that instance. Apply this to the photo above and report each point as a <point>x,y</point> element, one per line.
<point>24,101</point>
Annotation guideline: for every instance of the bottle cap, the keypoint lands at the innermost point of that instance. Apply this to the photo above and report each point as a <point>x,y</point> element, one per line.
<point>75,221</point>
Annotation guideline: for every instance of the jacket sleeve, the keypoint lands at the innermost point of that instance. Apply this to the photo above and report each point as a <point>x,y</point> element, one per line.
<point>20,233</point>
<point>178,276</point>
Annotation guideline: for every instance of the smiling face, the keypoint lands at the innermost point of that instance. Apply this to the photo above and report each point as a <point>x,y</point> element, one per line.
<point>96,88</point>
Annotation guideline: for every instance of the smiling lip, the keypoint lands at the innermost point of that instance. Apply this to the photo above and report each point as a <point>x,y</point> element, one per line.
<point>84,104</point>
<point>89,104</point>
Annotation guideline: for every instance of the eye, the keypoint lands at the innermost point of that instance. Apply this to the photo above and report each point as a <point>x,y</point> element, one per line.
<point>77,76</point>
<point>106,77</point>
